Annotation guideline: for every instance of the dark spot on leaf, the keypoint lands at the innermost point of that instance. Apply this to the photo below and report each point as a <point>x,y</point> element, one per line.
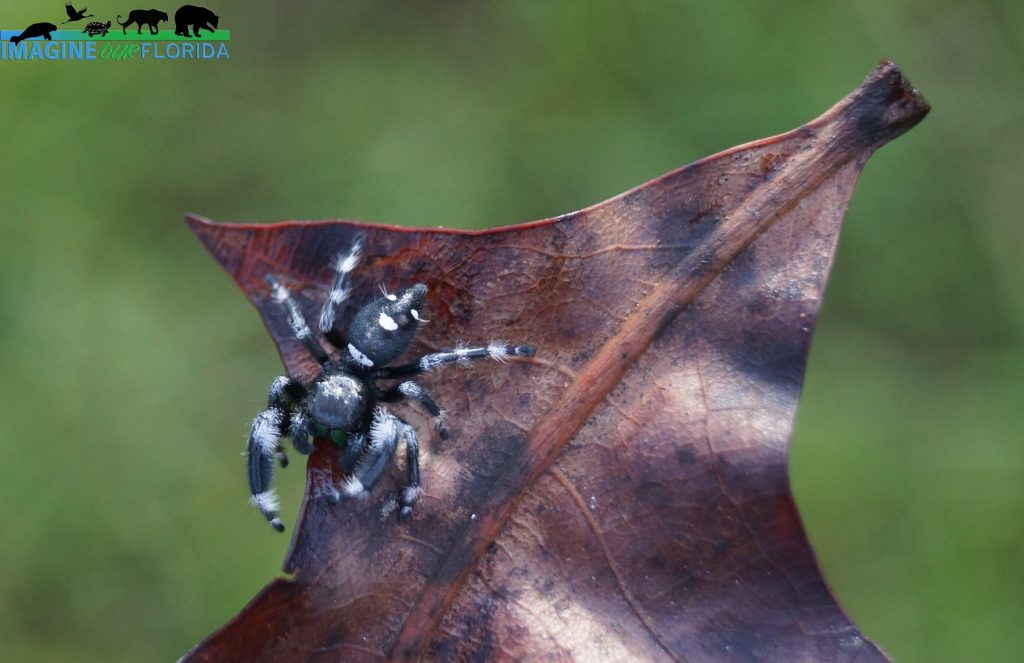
<point>685,456</point>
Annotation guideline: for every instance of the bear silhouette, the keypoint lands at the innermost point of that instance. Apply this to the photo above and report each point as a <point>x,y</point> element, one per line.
<point>140,17</point>
<point>35,30</point>
<point>197,18</point>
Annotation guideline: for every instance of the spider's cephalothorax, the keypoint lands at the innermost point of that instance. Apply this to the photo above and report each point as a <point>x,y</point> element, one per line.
<point>344,401</point>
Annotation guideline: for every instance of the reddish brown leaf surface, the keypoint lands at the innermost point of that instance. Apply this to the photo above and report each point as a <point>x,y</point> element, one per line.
<point>623,495</point>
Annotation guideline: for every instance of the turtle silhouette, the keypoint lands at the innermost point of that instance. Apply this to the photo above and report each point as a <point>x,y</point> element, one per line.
<point>35,30</point>
<point>97,28</point>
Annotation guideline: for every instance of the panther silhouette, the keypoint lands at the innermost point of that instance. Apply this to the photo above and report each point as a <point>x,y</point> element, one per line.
<point>140,17</point>
<point>197,18</point>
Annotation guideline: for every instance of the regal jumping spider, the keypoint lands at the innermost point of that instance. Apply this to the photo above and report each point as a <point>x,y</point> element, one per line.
<point>343,401</point>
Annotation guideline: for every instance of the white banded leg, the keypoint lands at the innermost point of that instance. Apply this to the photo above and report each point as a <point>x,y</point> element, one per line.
<point>412,491</point>
<point>265,444</point>
<point>412,391</point>
<point>260,452</point>
<point>496,350</point>
<point>386,432</point>
<point>343,265</point>
<point>285,393</point>
<point>296,320</point>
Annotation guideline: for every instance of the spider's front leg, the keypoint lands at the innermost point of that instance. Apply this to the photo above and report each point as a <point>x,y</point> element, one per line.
<point>265,444</point>
<point>343,265</point>
<point>496,350</point>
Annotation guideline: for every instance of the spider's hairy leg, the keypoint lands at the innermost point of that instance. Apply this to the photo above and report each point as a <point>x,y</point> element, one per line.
<point>343,265</point>
<point>265,444</point>
<point>260,452</point>
<point>385,433</point>
<point>496,350</point>
<point>296,320</point>
<point>412,491</point>
<point>285,394</point>
<point>411,390</point>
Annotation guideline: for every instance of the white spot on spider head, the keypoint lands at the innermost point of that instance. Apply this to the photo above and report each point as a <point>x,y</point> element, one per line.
<point>392,298</point>
<point>387,322</point>
<point>359,356</point>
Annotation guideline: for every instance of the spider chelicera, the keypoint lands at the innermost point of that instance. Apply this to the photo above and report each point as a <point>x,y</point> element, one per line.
<point>344,401</point>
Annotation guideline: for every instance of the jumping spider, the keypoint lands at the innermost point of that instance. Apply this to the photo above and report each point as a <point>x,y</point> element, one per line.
<point>343,401</point>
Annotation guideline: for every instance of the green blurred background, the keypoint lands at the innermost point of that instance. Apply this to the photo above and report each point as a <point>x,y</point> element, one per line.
<point>131,365</point>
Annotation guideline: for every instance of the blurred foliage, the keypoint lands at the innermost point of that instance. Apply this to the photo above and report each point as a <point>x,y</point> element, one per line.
<point>131,365</point>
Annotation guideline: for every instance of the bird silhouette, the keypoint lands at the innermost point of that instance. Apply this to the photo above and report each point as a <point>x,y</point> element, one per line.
<point>74,14</point>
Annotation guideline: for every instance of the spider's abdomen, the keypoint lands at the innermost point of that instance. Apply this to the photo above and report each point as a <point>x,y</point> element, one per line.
<point>339,401</point>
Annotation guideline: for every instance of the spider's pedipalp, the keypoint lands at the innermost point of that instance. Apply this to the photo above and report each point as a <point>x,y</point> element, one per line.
<point>299,432</point>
